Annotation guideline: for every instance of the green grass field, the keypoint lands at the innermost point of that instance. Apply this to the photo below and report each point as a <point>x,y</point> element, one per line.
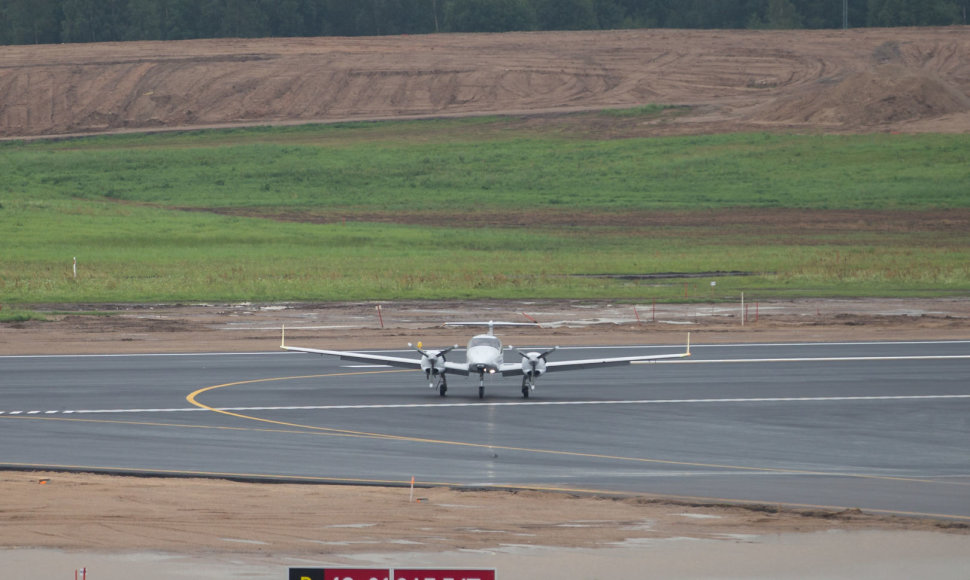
<point>122,204</point>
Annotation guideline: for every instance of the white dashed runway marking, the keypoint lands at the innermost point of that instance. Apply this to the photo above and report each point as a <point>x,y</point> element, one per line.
<point>436,405</point>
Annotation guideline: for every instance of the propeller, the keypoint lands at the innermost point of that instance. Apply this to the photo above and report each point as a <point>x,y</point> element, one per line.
<point>534,363</point>
<point>432,361</point>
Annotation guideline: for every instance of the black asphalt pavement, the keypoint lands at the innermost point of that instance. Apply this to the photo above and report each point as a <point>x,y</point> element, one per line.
<point>879,426</point>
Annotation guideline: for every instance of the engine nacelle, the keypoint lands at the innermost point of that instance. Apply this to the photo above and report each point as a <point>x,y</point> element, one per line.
<point>433,363</point>
<point>533,363</point>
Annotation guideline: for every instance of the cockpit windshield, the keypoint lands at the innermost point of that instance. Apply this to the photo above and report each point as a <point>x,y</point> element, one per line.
<point>485,340</point>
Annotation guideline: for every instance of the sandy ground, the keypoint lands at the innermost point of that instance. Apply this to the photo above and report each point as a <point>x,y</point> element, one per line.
<point>899,79</point>
<point>54,523</point>
<point>122,527</point>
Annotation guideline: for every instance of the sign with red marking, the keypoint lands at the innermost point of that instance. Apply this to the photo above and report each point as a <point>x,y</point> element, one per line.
<point>389,574</point>
<point>434,574</point>
<point>357,574</point>
<point>340,574</point>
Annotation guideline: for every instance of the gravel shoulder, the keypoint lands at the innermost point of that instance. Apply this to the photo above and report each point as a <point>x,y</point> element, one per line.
<point>146,328</point>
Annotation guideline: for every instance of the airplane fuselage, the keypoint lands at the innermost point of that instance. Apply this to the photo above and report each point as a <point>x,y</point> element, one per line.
<point>484,354</point>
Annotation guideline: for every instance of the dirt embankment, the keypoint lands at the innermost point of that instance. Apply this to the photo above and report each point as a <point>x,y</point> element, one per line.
<point>904,79</point>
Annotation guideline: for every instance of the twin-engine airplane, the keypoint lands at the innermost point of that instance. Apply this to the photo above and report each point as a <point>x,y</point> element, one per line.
<point>484,356</point>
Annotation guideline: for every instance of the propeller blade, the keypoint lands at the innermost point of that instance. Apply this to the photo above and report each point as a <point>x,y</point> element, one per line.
<point>418,348</point>
<point>541,355</point>
<point>548,352</point>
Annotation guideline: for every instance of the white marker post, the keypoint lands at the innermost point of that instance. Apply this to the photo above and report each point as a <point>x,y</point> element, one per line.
<point>75,267</point>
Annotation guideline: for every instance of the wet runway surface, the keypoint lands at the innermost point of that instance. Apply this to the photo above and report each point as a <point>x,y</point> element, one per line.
<point>878,426</point>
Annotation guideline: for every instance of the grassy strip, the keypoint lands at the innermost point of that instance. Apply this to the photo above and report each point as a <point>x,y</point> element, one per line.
<point>464,164</point>
<point>19,315</point>
<point>145,254</point>
<point>104,200</point>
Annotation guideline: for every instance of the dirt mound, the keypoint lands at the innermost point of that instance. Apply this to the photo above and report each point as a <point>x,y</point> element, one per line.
<point>870,99</point>
<point>859,80</point>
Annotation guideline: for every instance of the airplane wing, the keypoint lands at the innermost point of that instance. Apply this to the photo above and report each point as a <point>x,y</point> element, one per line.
<point>513,369</point>
<point>394,361</point>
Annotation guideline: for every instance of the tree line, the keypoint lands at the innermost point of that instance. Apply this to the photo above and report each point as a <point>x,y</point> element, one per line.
<point>55,21</point>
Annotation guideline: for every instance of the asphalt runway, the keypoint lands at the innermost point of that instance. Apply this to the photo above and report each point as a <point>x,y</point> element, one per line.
<point>884,427</point>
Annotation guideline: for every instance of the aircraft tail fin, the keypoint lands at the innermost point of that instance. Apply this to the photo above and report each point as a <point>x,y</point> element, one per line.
<point>491,324</point>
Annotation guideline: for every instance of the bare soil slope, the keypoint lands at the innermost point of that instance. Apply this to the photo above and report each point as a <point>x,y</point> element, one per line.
<point>915,79</point>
